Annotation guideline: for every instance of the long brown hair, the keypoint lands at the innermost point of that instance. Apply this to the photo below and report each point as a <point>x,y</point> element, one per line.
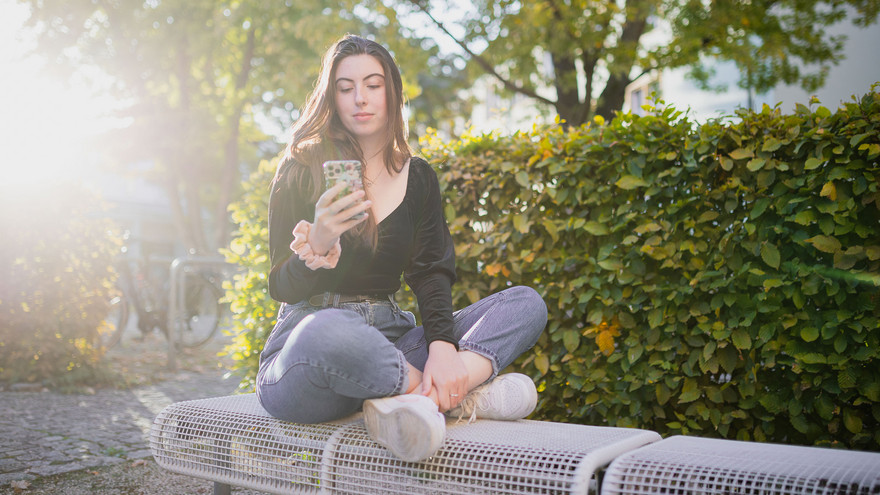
<point>319,135</point>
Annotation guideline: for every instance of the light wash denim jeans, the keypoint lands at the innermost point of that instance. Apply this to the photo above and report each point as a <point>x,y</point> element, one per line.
<point>320,364</point>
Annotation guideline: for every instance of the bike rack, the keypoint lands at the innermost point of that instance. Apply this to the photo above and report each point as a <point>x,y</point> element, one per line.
<point>179,267</point>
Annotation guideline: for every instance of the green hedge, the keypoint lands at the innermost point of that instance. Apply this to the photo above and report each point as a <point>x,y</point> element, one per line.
<point>248,291</point>
<point>716,280</point>
<point>719,280</point>
<point>56,276</point>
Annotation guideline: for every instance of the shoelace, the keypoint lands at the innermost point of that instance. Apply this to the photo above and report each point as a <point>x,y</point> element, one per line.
<point>470,400</point>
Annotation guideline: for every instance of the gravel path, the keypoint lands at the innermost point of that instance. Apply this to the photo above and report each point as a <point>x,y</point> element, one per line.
<point>96,441</point>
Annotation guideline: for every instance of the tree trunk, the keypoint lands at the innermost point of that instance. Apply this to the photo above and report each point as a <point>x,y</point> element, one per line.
<point>230,167</point>
<point>183,162</point>
<point>192,194</point>
<point>568,104</point>
<point>589,62</point>
<point>612,97</point>
<point>178,215</point>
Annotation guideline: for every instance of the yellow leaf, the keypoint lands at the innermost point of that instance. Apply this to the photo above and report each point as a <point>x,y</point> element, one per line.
<point>741,154</point>
<point>505,271</point>
<point>542,362</point>
<point>829,191</point>
<point>493,269</point>
<point>605,334</point>
<point>473,295</point>
<point>648,227</point>
<point>605,341</point>
<point>533,159</point>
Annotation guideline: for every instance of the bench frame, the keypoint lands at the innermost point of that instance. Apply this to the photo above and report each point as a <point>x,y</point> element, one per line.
<point>233,441</point>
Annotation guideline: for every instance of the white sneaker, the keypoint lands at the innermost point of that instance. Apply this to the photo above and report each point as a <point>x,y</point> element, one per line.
<point>507,397</point>
<point>410,426</point>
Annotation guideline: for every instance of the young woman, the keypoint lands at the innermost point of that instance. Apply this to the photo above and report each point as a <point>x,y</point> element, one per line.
<point>341,343</point>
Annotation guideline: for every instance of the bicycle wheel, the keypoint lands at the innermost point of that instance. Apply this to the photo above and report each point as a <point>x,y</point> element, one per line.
<point>115,322</point>
<point>201,311</point>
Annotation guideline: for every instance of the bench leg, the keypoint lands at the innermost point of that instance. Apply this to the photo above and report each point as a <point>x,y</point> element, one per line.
<point>222,488</point>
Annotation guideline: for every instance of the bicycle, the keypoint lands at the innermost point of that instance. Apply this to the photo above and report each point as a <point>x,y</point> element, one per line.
<point>143,291</point>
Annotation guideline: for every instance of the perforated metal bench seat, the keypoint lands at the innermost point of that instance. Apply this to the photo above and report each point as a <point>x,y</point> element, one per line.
<point>692,466</point>
<point>233,441</point>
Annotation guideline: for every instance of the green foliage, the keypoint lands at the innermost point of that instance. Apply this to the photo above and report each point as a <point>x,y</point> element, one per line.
<point>720,280</point>
<point>716,280</point>
<point>199,76</point>
<point>55,281</point>
<point>248,291</point>
<point>589,51</point>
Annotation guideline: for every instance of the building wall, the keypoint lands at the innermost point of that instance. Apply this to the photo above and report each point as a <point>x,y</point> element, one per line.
<point>854,74</point>
<point>856,71</point>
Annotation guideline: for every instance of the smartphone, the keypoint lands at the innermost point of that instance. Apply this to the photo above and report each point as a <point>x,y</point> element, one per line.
<point>348,171</point>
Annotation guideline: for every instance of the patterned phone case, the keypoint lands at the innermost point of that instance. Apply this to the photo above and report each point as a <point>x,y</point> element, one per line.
<point>348,171</point>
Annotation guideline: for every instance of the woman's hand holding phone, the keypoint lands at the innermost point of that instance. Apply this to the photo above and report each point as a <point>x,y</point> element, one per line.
<point>334,215</point>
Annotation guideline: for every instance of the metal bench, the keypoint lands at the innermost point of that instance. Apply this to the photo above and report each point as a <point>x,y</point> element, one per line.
<point>693,466</point>
<point>233,441</point>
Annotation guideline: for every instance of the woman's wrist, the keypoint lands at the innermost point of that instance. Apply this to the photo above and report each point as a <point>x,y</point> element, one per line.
<point>440,346</point>
<point>309,253</point>
<point>319,246</point>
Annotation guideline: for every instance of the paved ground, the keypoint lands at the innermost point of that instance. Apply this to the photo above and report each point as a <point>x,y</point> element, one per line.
<point>44,433</point>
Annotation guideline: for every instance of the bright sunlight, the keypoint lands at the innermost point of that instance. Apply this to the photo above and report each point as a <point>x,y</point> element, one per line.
<point>45,123</point>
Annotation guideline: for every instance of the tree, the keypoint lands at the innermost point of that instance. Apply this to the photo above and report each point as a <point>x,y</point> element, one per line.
<point>199,74</point>
<point>588,51</point>
<point>190,71</point>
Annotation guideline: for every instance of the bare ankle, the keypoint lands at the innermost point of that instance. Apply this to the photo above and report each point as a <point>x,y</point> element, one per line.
<point>415,380</point>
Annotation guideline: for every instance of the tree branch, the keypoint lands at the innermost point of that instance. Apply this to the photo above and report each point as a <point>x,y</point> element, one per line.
<point>645,72</point>
<point>482,62</point>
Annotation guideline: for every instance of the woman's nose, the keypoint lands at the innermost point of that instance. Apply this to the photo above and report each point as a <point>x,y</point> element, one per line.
<point>360,97</point>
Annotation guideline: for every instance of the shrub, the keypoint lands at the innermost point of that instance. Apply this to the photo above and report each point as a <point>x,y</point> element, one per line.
<point>56,280</point>
<point>248,291</point>
<point>717,280</point>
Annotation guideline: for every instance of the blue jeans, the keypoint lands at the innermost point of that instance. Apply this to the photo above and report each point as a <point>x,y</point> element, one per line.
<point>320,364</point>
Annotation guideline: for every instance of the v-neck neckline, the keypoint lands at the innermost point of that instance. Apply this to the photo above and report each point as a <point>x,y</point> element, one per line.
<point>405,193</point>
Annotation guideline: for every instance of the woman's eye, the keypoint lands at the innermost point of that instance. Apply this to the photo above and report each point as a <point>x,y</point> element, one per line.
<point>345,90</point>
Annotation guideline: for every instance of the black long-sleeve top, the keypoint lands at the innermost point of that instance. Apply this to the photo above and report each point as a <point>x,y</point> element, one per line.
<point>414,240</point>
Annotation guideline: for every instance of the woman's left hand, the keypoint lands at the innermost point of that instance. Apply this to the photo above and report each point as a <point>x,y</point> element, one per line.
<point>445,375</point>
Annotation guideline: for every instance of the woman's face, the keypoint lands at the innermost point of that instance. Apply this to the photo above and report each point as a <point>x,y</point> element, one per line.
<point>360,98</point>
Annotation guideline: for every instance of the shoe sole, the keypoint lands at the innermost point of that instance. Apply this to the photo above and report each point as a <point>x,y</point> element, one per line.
<point>406,432</point>
<point>532,393</point>
<point>528,390</point>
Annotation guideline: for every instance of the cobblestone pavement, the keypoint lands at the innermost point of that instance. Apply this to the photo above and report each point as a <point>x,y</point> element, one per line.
<point>44,433</point>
